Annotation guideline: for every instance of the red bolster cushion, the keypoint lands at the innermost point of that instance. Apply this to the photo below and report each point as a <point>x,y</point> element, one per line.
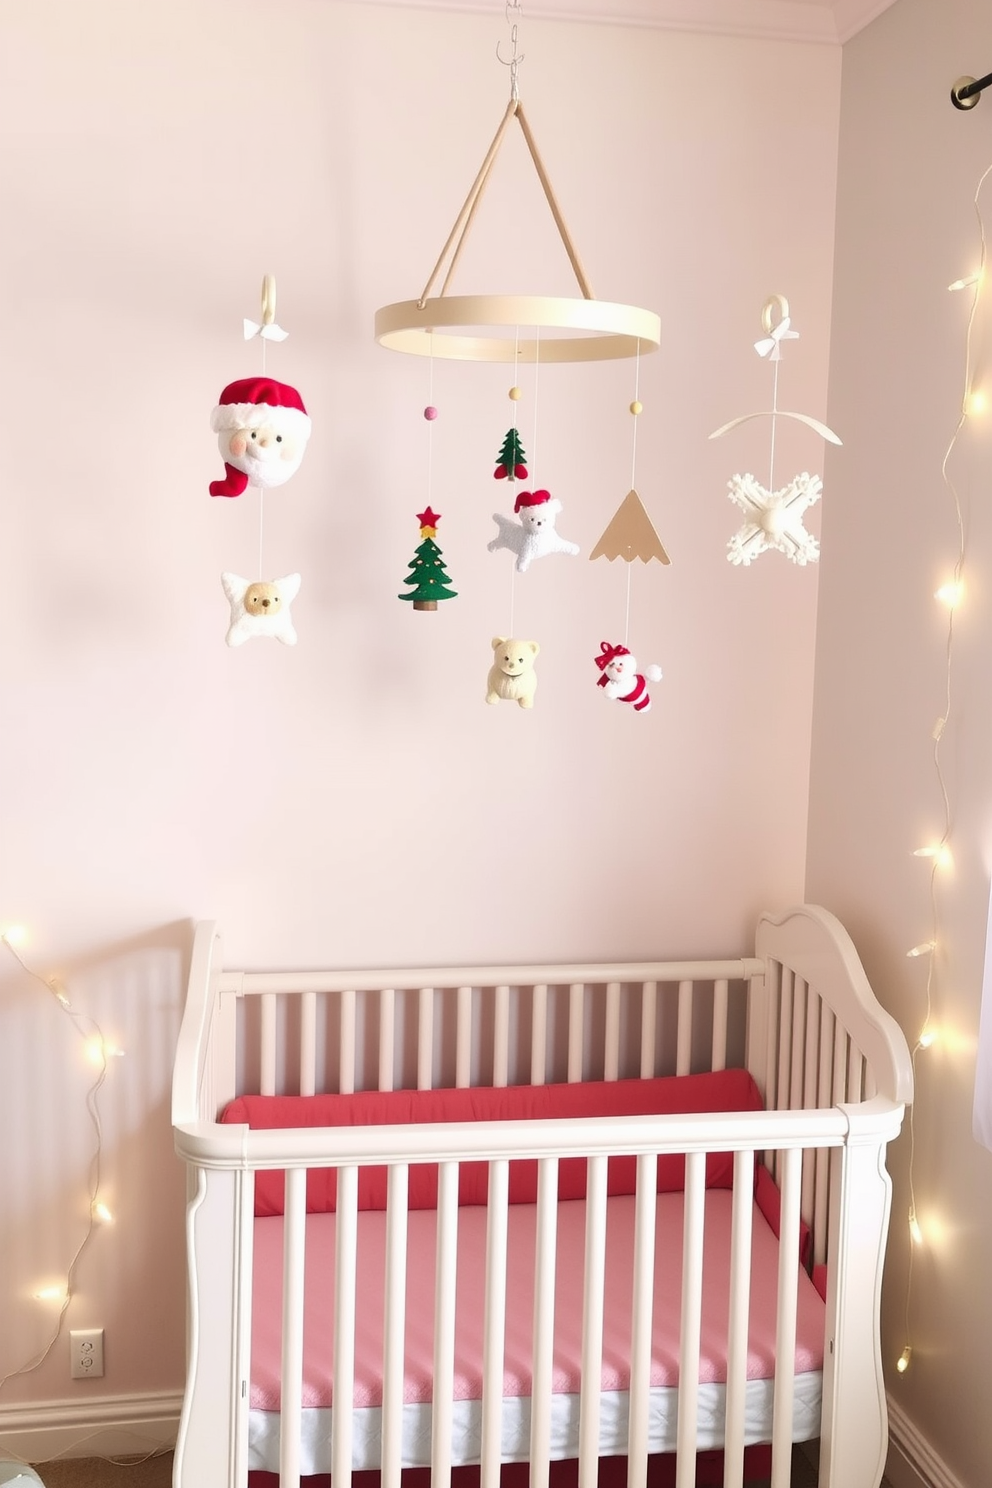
<point>726,1090</point>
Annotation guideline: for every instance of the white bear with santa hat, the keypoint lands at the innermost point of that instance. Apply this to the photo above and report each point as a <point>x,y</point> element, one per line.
<point>262,430</point>
<point>534,536</point>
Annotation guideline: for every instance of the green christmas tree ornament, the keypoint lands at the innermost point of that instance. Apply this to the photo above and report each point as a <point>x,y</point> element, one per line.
<point>511,458</point>
<point>428,574</point>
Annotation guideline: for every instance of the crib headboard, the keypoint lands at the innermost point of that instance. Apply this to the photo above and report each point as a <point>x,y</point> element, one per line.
<point>801,1014</point>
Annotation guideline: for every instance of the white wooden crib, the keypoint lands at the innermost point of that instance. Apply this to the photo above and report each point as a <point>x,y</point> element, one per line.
<point>831,1069</point>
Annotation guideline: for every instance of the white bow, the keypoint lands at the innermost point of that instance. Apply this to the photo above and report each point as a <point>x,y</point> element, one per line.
<point>270,332</point>
<point>773,343</point>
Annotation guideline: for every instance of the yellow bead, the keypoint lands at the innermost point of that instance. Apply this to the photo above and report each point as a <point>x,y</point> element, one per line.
<point>636,407</point>
<point>515,394</point>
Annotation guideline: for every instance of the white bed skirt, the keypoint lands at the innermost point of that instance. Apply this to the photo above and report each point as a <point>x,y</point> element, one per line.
<point>263,1429</point>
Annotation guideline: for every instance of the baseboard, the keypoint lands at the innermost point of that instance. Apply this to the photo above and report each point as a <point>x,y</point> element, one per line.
<point>113,1426</point>
<point>912,1461</point>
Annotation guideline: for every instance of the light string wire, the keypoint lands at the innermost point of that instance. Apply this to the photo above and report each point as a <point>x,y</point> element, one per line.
<point>938,853</point>
<point>88,1030</point>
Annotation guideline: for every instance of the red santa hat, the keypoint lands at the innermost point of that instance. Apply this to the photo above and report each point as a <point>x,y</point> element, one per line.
<point>254,401</point>
<point>531,498</point>
<point>609,653</point>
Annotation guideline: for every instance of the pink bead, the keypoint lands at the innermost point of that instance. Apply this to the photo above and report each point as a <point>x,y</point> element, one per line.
<point>430,412</point>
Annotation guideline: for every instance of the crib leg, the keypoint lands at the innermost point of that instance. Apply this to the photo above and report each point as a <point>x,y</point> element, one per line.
<point>212,1445</point>
<point>854,1423</point>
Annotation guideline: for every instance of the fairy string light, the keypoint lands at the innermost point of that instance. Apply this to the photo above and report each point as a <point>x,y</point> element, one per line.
<point>938,853</point>
<point>99,1051</point>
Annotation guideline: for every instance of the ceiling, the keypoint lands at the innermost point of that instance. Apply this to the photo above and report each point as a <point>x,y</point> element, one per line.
<point>830,21</point>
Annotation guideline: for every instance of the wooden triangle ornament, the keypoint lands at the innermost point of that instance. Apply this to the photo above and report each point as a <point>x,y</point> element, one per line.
<point>630,535</point>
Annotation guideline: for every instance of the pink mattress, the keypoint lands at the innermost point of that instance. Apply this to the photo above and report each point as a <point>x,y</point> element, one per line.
<point>319,1317</point>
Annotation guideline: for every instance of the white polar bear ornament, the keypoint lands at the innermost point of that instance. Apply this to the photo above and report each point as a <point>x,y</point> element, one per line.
<point>260,608</point>
<point>534,535</point>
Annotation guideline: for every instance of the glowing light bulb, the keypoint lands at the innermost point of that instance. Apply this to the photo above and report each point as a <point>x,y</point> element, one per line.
<point>950,593</point>
<point>95,1051</point>
<point>902,1363</point>
<point>14,935</point>
<point>102,1213</point>
<point>915,1231</point>
<point>939,851</point>
<point>923,949</point>
<point>967,281</point>
<point>51,1294</point>
<point>976,404</point>
<point>926,1039</point>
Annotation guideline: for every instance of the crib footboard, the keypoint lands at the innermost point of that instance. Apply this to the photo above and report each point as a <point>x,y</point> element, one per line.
<point>830,1073</point>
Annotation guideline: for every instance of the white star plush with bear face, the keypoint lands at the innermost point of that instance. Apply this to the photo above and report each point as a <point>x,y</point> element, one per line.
<point>260,608</point>
<point>774,519</point>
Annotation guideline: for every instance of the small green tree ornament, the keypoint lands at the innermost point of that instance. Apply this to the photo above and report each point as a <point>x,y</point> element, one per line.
<point>511,458</point>
<point>428,574</point>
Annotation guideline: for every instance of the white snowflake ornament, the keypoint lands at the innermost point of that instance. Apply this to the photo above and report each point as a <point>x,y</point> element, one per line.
<point>774,519</point>
<point>260,608</point>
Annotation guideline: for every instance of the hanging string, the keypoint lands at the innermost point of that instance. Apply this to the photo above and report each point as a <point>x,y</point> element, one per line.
<point>261,490</point>
<point>939,852</point>
<point>635,409</point>
<point>771,456</point>
<point>537,382</point>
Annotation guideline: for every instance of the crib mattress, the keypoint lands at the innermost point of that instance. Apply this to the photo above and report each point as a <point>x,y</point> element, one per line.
<point>466,1441</point>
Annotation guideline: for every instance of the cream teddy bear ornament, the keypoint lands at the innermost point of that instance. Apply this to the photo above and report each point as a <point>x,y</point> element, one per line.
<point>260,608</point>
<point>534,535</point>
<point>512,677</point>
<point>620,678</point>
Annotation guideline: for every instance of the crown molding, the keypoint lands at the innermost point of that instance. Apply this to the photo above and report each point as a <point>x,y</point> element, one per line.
<point>828,21</point>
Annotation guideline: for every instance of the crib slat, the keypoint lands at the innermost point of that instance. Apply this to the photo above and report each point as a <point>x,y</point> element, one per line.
<point>691,1325</point>
<point>809,1101</point>
<point>773,993</point>
<point>611,1042</point>
<point>539,1035</point>
<point>855,1073</point>
<point>501,1036</point>
<point>645,1205</point>
<point>576,1030</point>
<point>345,1264</point>
<point>798,1044</point>
<point>308,1043</point>
<point>387,1037</point>
<point>463,1038</point>
<point>291,1367</point>
<point>740,1296</point>
<point>683,1057</point>
<point>425,1039</point>
<point>494,1324</point>
<point>840,1063</point>
<point>545,1257</point>
<point>718,1057</point>
<point>785,1331</point>
<point>649,1024</point>
<point>821,1182</point>
<point>397,1194</point>
<point>784,1079</point>
<point>444,1324</point>
<point>267,1044</point>
<point>592,1321</point>
<point>346,1061</point>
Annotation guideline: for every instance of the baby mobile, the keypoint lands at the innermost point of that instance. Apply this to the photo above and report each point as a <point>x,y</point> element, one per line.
<point>462,328</point>
<point>774,519</point>
<point>262,429</point>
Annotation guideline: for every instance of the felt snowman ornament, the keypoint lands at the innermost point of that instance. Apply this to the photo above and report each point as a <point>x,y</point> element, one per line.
<point>260,608</point>
<point>262,430</point>
<point>620,678</point>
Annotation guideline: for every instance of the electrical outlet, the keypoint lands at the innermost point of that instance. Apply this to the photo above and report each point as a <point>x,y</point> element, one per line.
<point>86,1353</point>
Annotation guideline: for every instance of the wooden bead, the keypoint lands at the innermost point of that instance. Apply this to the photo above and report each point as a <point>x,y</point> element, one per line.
<point>430,412</point>
<point>636,408</point>
<point>515,394</point>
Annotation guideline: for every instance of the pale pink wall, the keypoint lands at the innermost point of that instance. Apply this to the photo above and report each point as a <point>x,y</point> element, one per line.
<point>909,166</point>
<point>353,800</point>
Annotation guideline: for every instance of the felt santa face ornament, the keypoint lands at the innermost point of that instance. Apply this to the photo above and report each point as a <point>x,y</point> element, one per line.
<point>262,430</point>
